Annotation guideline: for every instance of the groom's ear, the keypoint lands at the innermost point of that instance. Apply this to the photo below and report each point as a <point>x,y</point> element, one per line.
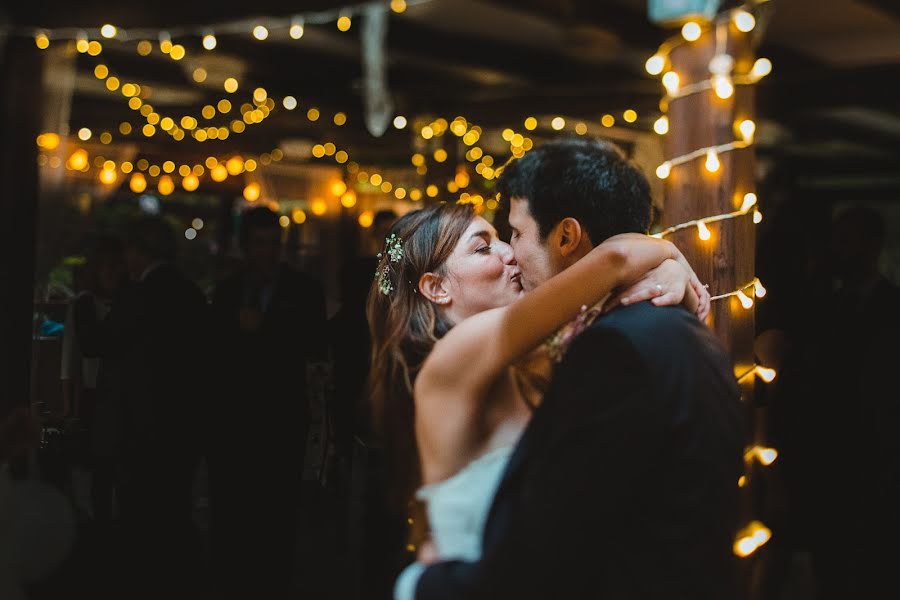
<point>569,236</point>
<point>433,287</point>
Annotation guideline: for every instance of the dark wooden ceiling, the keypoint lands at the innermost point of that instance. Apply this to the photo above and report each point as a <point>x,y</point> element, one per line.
<point>496,62</point>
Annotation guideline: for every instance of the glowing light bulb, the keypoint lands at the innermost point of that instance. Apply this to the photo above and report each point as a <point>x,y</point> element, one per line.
<point>749,201</point>
<point>746,301</point>
<point>108,176</point>
<point>663,170</point>
<point>366,219</point>
<point>767,455</point>
<point>165,186</point>
<point>138,183</point>
<point>190,183</point>
<point>289,102</point>
<point>558,123</point>
<point>630,116</point>
<point>661,125</point>
<point>761,68</point>
<point>758,289</point>
<point>703,231</point>
<point>84,134</point>
<point>209,41</point>
<point>757,216</point>
<point>747,128</point>
<point>108,31</point>
<point>78,161</point>
<point>344,23</point>
<point>744,21</point>
<point>318,207</point>
<point>724,88</point>
<point>655,64</point>
<point>251,192</point>
<point>399,121</point>
<point>42,41</point>
<point>671,81</point>
<point>712,160</point>
<point>298,216</point>
<point>297,29</point>
<point>721,64</point>
<point>348,200</point>
<point>765,373</point>
<point>691,31</point>
<point>260,32</point>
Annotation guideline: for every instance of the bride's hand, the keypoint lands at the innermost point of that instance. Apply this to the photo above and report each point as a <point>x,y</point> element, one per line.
<point>670,283</point>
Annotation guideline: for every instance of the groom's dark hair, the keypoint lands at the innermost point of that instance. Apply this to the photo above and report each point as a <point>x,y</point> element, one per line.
<point>590,180</point>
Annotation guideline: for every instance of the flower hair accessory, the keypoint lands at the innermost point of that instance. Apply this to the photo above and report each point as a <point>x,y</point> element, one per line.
<point>393,247</point>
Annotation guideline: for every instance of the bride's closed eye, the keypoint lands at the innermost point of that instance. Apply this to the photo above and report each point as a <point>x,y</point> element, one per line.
<point>484,250</point>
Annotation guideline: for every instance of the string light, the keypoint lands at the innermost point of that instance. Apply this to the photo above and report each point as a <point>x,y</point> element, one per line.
<point>209,41</point>
<point>655,64</point>
<point>750,538</point>
<point>297,28</point>
<point>691,31</point>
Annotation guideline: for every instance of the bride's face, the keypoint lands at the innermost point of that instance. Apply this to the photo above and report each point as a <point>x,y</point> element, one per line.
<point>483,273</point>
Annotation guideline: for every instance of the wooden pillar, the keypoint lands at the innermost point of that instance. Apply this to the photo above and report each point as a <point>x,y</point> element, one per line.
<point>20,113</point>
<point>699,119</point>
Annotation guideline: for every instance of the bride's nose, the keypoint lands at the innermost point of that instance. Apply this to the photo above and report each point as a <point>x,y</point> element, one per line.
<point>506,253</point>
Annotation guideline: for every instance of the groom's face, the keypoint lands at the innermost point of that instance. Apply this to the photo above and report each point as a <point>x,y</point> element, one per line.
<point>532,253</point>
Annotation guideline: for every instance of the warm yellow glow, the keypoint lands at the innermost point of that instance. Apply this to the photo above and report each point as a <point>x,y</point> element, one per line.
<point>507,134</point>
<point>168,166</point>
<point>607,120</point>
<point>218,172</point>
<point>101,72</point>
<point>108,31</point>
<point>126,167</point>
<point>341,156</point>
<point>154,170</point>
<point>344,23</point>
<point>427,132</point>
<point>749,201</point>
<point>340,118</point>
<point>235,165</point>
<point>165,186</point>
<point>144,48</point>
<point>105,137</point>
<point>440,155</point>
<point>742,481</point>
<point>230,85</point>
<point>747,128</point>
<point>129,90</point>
<point>318,207</point>
<point>703,231</point>
<point>757,216</point>
<point>108,176</point>
<point>78,160</point>
<point>42,41</point>
<point>348,200</point>
<point>134,103</point>
<point>338,187</point>
<point>386,186</point>
<point>758,289</point>
<point>581,128</point>
<point>744,21</point>
<point>375,179</point>
<point>190,183</point>
<point>142,164</point>
<point>296,30</point>
<point>211,162</point>
<point>517,139</point>
<point>691,31</point>
<point>655,64</point>
<point>712,160</point>
<point>746,301</point>
<point>661,125</point>
<point>671,81</point>
<point>184,170</point>
<point>138,183</point>
<point>558,123</point>
<point>166,123</point>
<point>398,6</point>
<point>417,160</point>
<point>48,141</point>
<point>81,45</point>
<point>366,218</point>
<point>761,68</point>
<point>630,116</point>
<point>750,538</point>
<point>94,48</point>
<point>209,41</point>
<point>531,123</point>
<point>284,221</point>
<point>260,32</point>
<point>415,194</point>
<point>251,192</point>
<point>318,150</point>
<point>663,170</point>
<point>177,52</point>
<point>399,121</point>
<point>260,95</point>
<point>724,88</point>
<point>84,134</point>
<point>400,193</point>
<point>767,455</point>
<point>431,191</point>
<point>312,114</point>
<point>298,216</point>
<point>462,179</point>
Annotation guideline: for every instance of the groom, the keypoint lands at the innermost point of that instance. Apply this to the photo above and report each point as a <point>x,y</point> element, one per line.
<point>625,483</point>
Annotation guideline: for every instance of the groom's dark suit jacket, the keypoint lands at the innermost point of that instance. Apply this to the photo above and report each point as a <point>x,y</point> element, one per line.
<point>625,483</point>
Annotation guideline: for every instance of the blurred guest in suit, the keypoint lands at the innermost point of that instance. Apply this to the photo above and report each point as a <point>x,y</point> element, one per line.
<point>269,322</point>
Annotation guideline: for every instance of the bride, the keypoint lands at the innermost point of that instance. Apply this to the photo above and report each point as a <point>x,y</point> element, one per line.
<point>455,344</point>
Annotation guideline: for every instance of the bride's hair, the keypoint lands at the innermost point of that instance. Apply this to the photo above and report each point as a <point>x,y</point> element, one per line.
<point>404,326</point>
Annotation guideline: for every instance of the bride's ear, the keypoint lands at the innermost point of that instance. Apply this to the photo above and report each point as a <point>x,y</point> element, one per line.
<point>434,288</point>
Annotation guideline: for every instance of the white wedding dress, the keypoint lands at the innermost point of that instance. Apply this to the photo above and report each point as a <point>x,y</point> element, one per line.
<point>457,512</point>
